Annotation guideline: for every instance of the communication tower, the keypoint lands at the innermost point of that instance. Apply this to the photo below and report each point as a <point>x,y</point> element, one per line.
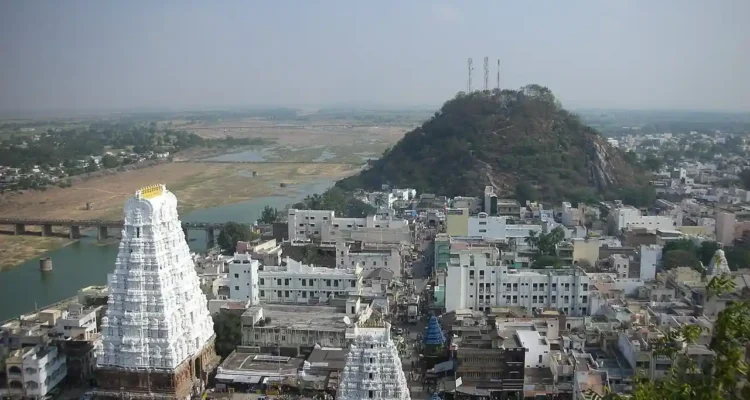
<point>486,73</point>
<point>468,87</point>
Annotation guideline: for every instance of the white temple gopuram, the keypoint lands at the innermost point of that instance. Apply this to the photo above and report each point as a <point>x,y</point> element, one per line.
<point>373,368</point>
<point>157,335</point>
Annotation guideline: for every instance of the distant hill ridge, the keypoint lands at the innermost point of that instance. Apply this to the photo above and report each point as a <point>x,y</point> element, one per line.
<point>522,142</point>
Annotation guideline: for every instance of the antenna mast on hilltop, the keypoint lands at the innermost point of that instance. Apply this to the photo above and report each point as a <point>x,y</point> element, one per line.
<point>498,74</point>
<point>468,88</point>
<point>486,73</point>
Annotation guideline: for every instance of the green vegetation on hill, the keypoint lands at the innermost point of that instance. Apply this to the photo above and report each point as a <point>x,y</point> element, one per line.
<point>511,139</point>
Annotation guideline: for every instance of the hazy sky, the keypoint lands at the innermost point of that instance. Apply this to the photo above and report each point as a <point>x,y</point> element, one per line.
<point>680,54</point>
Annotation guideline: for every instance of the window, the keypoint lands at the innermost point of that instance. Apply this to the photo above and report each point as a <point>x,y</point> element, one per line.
<point>262,281</point>
<point>336,283</point>
<point>236,275</point>
<point>584,299</point>
<point>352,283</point>
<point>482,230</point>
<point>236,288</point>
<point>471,260</point>
<point>534,287</point>
<point>482,222</point>
<point>370,393</point>
<point>533,299</point>
<point>567,287</point>
<point>312,217</point>
<point>554,287</point>
<point>328,282</point>
<point>540,359</point>
<point>304,282</point>
<point>262,293</point>
<point>286,282</point>
<point>585,287</point>
<point>335,225</point>
<point>286,293</point>
<point>471,274</point>
<point>304,295</point>
<point>374,263</point>
<point>278,281</point>
<point>515,286</point>
<point>481,274</point>
<point>310,282</point>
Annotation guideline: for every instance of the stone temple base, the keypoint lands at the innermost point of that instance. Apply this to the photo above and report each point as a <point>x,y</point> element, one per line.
<point>187,379</point>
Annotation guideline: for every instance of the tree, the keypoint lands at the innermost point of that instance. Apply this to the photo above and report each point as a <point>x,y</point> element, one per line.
<point>110,161</point>
<point>681,258</point>
<point>707,250</point>
<point>524,192</point>
<point>228,330</point>
<point>532,240</point>
<point>231,233</point>
<point>269,215</point>
<point>548,241</point>
<point>543,261</point>
<point>745,178</point>
<point>653,163</point>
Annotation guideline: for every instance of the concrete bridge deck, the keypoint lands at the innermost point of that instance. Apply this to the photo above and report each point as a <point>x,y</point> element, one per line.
<point>102,226</point>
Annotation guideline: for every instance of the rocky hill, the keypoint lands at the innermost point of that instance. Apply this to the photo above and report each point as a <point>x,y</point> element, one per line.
<point>522,142</point>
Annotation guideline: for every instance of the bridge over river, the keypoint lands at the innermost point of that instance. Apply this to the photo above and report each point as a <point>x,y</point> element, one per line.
<point>102,227</point>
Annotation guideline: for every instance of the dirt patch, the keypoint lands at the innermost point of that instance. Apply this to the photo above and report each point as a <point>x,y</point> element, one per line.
<point>16,249</point>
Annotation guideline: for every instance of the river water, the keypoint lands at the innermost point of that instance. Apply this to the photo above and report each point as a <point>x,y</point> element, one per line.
<point>86,262</point>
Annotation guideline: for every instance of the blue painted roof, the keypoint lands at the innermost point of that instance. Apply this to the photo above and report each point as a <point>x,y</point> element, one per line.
<point>435,396</point>
<point>434,335</point>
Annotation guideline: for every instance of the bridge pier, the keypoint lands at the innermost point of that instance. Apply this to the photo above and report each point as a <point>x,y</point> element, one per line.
<point>210,238</point>
<point>46,230</point>
<point>75,232</point>
<point>19,229</point>
<point>102,232</point>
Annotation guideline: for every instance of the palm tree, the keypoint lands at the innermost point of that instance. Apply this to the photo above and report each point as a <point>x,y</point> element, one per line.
<point>532,240</point>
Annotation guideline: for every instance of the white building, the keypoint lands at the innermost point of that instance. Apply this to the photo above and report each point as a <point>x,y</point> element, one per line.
<point>305,226</point>
<point>498,228</point>
<point>157,315</point>
<point>621,264</point>
<point>404,194</point>
<point>77,322</point>
<point>294,283</point>
<point>373,367</point>
<point>369,258</point>
<point>33,372</point>
<point>650,258</point>
<point>537,348</point>
<point>629,217</point>
<point>477,280</point>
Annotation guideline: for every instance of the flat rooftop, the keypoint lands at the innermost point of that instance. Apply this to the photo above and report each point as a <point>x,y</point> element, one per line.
<point>328,358</point>
<point>298,317</point>
<point>242,362</point>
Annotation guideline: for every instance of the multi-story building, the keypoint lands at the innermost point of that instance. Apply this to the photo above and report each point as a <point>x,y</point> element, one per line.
<point>478,280</point>
<point>369,257</point>
<point>638,349</point>
<point>629,217</point>
<point>294,283</point>
<point>487,358</point>
<point>457,221</point>
<point>157,334</point>
<point>650,259</point>
<point>725,228</point>
<point>78,322</point>
<point>321,226</point>
<point>498,228</point>
<point>33,372</point>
